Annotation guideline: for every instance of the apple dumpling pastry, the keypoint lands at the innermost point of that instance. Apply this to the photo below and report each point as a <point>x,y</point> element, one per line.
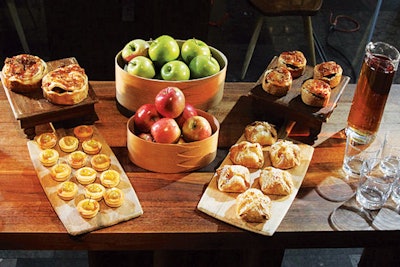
<point>247,154</point>
<point>100,162</point>
<point>114,197</point>
<point>284,154</point>
<point>48,157</point>
<point>261,132</point>
<point>253,206</point>
<point>88,208</point>
<point>233,178</point>
<point>275,181</point>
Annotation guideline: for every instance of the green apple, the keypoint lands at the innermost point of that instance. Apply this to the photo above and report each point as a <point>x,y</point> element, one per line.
<point>203,66</point>
<point>141,66</point>
<point>163,49</point>
<point>134,48</point>
<point>192,48</point>
<point>175,70</point>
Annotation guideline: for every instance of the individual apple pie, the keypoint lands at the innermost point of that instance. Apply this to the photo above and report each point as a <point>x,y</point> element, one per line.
<point>91,146</point>
<point>68,143</point>
<point>83,132</point>
<point>86,175</point>
<point>46,140</point>
<point>114,197</point>
<point>110,178</point>
<point>88,208</point>
<point>100,162</point>
<point>67,190</point>
<point>261,132</point>
<point>77,159</point>
<point>275,181</point>
<point>285,154</point>
<point>60,172</point>
<point>48,157</point>
<point>95,191</point>
<point>247,154</point>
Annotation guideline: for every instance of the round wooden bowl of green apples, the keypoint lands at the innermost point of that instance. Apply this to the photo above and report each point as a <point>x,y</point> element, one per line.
<point>143,68</point>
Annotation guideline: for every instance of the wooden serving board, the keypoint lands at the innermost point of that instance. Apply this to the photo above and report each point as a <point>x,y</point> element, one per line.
<point>66,210</point>
<point>222,205</point>
<point>32,109</point>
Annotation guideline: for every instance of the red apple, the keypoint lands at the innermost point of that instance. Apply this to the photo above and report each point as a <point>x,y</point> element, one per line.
<point>188,112</point>
<point>166,130</point>
<point>196,128</point>
<point>145,117</point>
<point>170,102</point>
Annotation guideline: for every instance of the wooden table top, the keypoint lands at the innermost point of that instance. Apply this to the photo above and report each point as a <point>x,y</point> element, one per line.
<point>27,220</point>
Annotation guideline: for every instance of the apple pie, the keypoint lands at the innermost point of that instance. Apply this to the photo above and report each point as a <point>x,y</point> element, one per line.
<point>48,157</point>
<point>83,132</point>
<point>95,191</point>
<point>91,146</point>
<point>67,85</point>
<point>46,140</point>
<point>77,159</point>
<point>233,178</point>
<point>86,175</point>
<point>247,154</point>
<point>67,190</point>
<point>68,143</point>
<point>285,154</point>
<point>110,178</point>
<point>88,208</point>
<point>100,162</point>
<point>275,181</point>
<point>294,61</point>
<point>253,206</point>
<point>114,197</point>
<point>261,132</point>
<point>60,172</point>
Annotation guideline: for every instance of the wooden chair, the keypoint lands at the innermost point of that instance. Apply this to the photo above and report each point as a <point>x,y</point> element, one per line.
<point>270,8</point>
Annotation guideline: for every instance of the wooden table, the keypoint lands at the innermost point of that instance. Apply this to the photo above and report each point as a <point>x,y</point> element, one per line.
<point>171,220</point>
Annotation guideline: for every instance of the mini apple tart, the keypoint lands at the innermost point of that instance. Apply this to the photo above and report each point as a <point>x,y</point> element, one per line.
<point>94,191</point>
<point>114,197</point>
<point>110,178</point>
<point>83,132</point>
<point>67,190</point>
<point>60,172</point>
<point>88,208</point>
<point>91,146</point>
<point>48,157</point>
<point>77,159</point>
<point>68,143</point>
<point>46,140</point>
<point>86,175</point>
<point>100,162</point>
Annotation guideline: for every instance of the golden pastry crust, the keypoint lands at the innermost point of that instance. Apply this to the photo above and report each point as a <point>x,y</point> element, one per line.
<point>285,154</point>
<point>67,190</point>
<point>261,132</point>
<point>275,181</point>
<point>329,72</point>
<point>91,146</point>
<point>100,162</point>
<point>95,191</point>
<point>315,93</point>
<point>233,178</point>
<point>77,159</point>
<point>110,178</point>
<point>46,140</point>
<point>253,206</point>
<point>86,175</point>
<point>114,197</point>
<point>68,143</point>
<point>247,154</point>
<point>83,132</point>
<point>67,85</point>
<point>294,61</point>
<point>23,73</point>
<point>60,172</point>
<point>88,208</point>
<point>277,81</point>
<point>48,157</point>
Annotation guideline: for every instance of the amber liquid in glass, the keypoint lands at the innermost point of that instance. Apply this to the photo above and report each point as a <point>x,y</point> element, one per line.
<point>370,97</point>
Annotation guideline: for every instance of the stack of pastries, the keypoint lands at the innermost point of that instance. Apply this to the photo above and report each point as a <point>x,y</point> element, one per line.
<point>291,65</point>
<point>271,161</point>
<point>82,170</point>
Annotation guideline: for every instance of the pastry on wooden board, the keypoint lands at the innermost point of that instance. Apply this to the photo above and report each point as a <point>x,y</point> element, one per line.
<point>253,206</point>
<point>24,73</point>
<point>233,178</point>
<point>285,154</point>
<point>274,181</point>
<point>247,154</point>
<point>261,132</point>
<point>277,81</point>
<point>294,61</point>
<point>315,93</point>
<point>329,72</point>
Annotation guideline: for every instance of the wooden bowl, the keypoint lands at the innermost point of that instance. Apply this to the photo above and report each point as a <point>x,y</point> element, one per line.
<point>173,158</point>
<point>203,93</point>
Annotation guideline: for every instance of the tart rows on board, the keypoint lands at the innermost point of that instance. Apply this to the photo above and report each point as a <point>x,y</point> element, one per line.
<point>65,85</point>
<point>253,201</point>
<point>291,65</point>
<point>84,165</point>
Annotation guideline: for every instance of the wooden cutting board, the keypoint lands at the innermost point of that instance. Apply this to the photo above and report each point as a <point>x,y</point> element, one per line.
<point>222,206</point>
<point>66,210</point>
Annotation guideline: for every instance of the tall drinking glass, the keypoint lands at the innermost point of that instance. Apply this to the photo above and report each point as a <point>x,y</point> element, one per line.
<point>380,64</point>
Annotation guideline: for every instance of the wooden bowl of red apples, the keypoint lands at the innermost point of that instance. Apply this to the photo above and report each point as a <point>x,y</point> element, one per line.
<point>169,135</point>
<point>143,68</point>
